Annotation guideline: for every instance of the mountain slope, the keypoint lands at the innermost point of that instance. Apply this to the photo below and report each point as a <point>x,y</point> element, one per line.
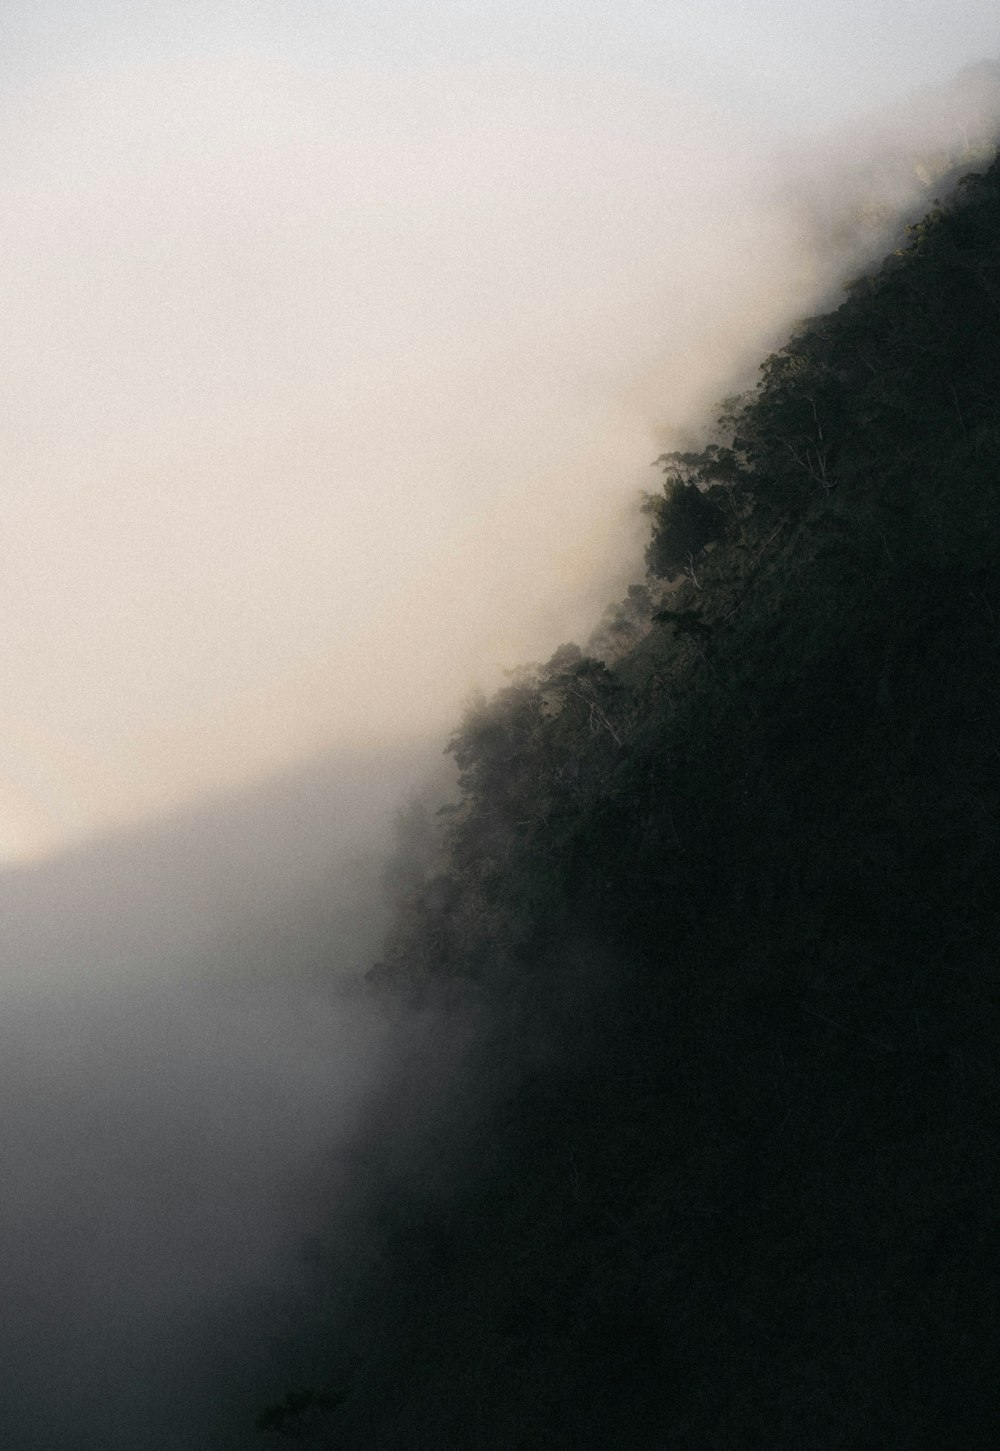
<point>727,892</point>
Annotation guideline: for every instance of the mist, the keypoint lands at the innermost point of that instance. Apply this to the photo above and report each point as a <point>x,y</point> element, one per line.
<point>185,1059</point>
<point>319,356</point>
<point>337,353</point>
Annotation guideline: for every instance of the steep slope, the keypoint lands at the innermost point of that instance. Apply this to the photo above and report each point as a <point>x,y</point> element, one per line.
<point>726,888</point>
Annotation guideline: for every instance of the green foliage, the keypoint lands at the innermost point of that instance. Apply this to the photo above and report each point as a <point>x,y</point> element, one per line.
<point>862,466</point>
<point>623,625</point>
<point>738,875</point>
<point>865,458</point>
<point>686,519</point>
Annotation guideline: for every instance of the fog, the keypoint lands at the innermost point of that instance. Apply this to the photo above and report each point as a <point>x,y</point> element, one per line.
<point>337,350</point>
<point>184,1062</point>
<point>338,344</point>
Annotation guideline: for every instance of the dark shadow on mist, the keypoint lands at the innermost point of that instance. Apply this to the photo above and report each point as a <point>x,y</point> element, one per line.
<point>182,1048</point>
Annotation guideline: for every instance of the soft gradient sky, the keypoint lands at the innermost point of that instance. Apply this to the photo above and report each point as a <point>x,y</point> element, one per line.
<point>337,340</point>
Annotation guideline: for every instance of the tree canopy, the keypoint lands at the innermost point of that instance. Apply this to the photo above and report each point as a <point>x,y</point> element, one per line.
<point>729,885</point>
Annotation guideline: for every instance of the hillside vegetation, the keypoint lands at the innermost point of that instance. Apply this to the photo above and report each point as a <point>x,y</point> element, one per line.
<point>725,885</point>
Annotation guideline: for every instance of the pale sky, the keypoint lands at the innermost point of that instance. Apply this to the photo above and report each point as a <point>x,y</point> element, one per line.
<point>338,339</point>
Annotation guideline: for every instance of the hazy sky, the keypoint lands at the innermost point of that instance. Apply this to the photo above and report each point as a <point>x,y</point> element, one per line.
<point>337,340</point>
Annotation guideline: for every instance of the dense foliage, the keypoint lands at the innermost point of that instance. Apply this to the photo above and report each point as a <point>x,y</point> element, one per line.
<point>729,884</point>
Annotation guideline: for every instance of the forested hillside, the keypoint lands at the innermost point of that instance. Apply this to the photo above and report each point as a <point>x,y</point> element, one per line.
<point>724,886</point>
